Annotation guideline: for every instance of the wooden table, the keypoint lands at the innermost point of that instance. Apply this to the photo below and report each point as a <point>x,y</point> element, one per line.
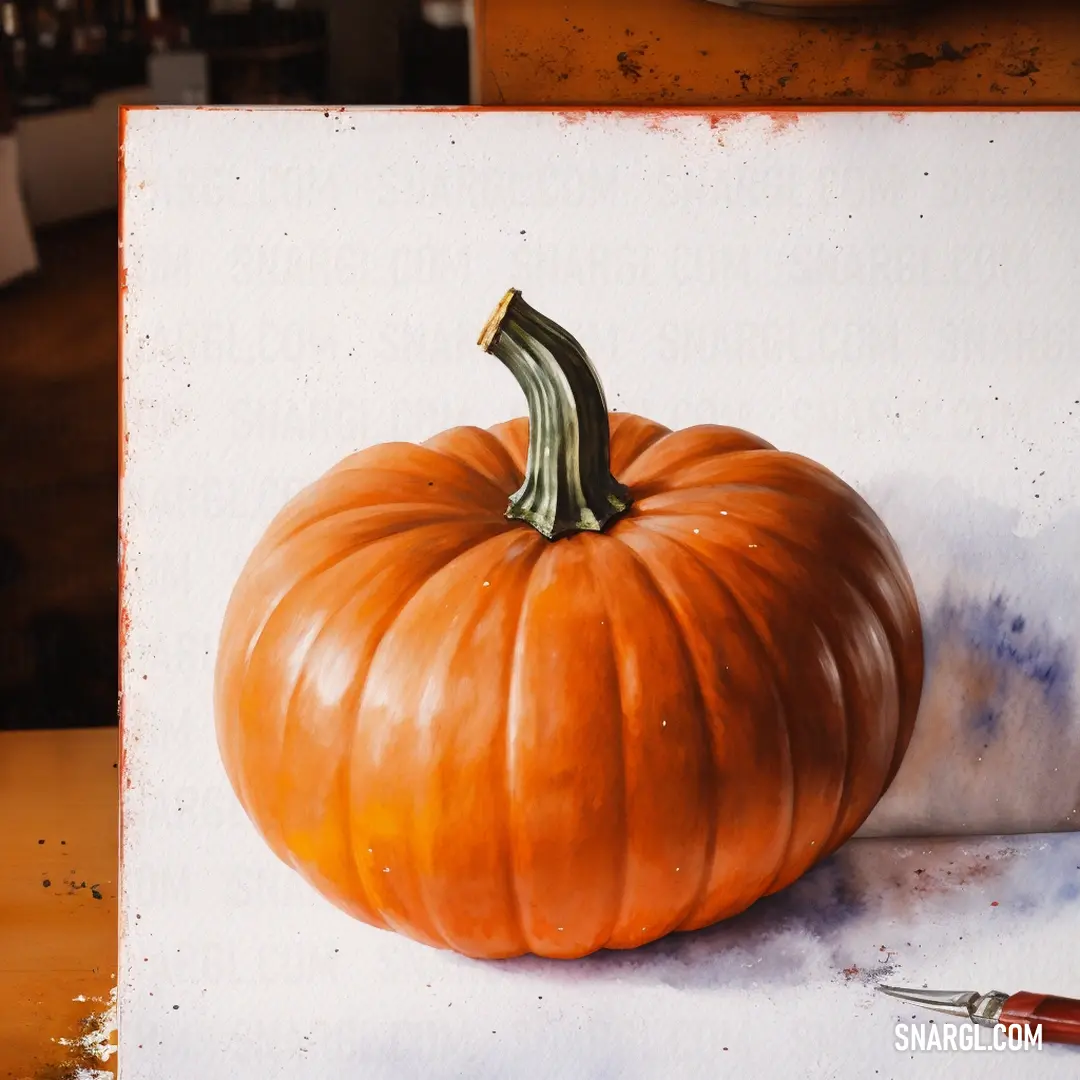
<point>59,797</point>
<point>692,53</point>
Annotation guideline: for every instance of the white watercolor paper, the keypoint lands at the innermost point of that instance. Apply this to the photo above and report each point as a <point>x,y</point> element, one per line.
<point>886,294</point>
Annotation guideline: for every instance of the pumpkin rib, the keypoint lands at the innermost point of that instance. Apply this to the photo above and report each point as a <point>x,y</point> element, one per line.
<point>355,894</point>
<point>706,732</point>
<point>516,548</point>
<point>451,510</point>
<point>264,554</point>
<point>616,420</point>
<point>762,571</point>
<point>805,470</point>
<point>427,928</point>
<point>793,541</point>
<point>454,502</point>
<point>508,753</point>
<point>410,467</point>
<point>821,594</point>
<point>348,784</point>
<point>272,821</point>
<point>348,704</point>
<point>751,569</point>
<point>736,607</point>
<point>445,443</point>
<point>842,693</point>
<point>253,637</point>
<point>402,460</point>
<point>648,506</point>
<point>876,543</point>
<point>352,462</point>
<point>290,720</point>
<point>630,437</point>
<point>648,469</point>
<point>843,701</point>
<point>860,597</point>
<point>793,469</point>
<point>788,713</point>
<point>253,641</point>
<point>865,523</point>
<point>568,779</point>
<point>673,485</point>
<point>835,680</point>
<point>785,726</point>
<point>909,704</point>
<point>868,613</point>
<point>514,436</point>
<point>613,652</point>
<point>869,529</point>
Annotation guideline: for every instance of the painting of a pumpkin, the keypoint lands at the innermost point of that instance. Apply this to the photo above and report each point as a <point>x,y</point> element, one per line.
<point>571,683</point>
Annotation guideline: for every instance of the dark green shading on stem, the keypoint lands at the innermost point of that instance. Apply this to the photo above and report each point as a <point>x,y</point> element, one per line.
<point>568,483</point>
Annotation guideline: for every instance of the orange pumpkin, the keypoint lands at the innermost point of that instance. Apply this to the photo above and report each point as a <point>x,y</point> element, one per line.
<point>610,710</point>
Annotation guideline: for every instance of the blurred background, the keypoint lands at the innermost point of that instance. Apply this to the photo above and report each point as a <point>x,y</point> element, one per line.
<point>65,68</point>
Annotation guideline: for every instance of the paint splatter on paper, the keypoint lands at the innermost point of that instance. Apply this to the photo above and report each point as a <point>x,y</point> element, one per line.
<point>97,1043</point>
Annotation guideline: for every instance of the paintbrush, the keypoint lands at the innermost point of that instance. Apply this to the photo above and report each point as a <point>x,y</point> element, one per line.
<point>1058,1017</point>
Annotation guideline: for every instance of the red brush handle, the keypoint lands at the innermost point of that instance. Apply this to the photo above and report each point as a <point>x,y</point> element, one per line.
<point>1059,1016</point>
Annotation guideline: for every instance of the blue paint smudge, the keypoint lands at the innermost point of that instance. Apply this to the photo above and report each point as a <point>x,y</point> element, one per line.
<point>986,720</point>
<point>1015,645</point>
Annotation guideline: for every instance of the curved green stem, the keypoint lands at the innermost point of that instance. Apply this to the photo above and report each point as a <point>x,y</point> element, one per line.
<point>568,483</point>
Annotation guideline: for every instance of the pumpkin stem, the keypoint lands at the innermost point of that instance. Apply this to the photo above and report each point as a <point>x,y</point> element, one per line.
<point>568,483</point>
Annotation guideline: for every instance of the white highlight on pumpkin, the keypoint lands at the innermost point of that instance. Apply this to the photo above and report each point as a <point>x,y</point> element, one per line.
<point>696,531</point>
<point>486,584</point>
<point>724,513</point>
<point>751,545</point>
<point>386,869</point>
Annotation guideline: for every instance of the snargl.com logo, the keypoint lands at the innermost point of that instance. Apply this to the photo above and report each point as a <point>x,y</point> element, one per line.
<point>966,1037</point>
